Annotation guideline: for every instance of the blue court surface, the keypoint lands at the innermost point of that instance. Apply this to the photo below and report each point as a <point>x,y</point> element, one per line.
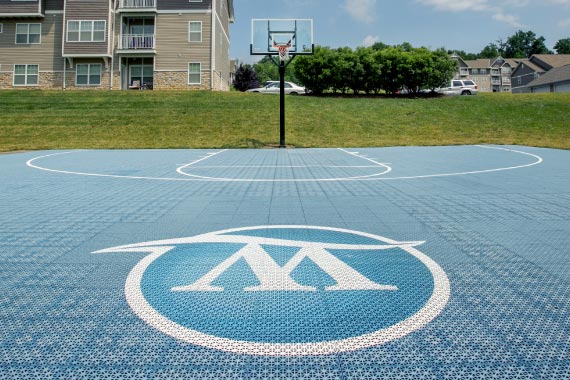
<point>384,263</point>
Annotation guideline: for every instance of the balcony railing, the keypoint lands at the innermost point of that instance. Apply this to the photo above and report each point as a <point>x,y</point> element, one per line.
<point>136,42</point>
<point>138,4</point>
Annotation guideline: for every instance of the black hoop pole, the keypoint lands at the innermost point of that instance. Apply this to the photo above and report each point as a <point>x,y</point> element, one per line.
<point>282,65</point>
<point>282,105</point>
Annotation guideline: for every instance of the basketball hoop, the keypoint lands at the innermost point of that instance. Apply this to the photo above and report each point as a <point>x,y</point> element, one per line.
<point>283,50</point>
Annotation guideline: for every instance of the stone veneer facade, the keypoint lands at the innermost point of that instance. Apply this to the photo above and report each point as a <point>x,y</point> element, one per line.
<point>163,80</point>
<point>178,80</point>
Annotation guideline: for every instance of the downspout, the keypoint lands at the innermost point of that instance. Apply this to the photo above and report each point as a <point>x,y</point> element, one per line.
<point>113,14</point>
<point>64,31</point>
<point>213,57</point>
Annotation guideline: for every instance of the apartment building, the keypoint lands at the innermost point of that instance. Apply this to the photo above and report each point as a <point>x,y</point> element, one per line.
<point>115,44</point>
<point>529,70</point>
<point>491,75</point>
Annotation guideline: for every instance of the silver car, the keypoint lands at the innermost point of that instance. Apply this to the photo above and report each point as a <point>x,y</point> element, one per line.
<point>460,87</point>
<point>274,88</point>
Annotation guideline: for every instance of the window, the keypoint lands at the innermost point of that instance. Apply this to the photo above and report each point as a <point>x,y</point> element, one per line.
<point>26,75</point>
<point>86,31</point>
<point>28,33</point>
<point>475,72</point>
<point>1,28</point>
<point>195,31</point>
<point>194,73</point>
<point>88,74</point>
<point>483,71</point>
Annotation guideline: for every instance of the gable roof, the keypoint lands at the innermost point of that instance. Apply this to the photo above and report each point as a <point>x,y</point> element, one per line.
<point>558,74</point>
<point>552,60</point>
<point>480,63</point>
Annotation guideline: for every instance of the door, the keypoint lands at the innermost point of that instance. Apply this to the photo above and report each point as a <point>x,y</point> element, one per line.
<point>140,75</point>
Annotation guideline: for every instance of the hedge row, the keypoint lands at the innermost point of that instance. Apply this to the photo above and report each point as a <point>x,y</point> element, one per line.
<point>370,70</point>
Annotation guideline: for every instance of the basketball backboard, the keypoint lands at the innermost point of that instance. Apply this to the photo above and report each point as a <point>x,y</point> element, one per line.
<point>268,34</point>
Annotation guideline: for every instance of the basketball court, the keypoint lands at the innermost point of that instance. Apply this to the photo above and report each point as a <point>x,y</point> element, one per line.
<point>377,263</point>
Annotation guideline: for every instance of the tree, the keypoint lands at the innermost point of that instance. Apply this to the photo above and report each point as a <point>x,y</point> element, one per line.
<point>370,65</point>
<point>245,78</point>
<point>443,68</point>
<point>379,46</point>
<point>266,70</point>
<point>523,45</point>
<point>463,54</point>
<point>563,46</point>
<point>490,51</point>
<point>392,61</point>
<point>315,71</point>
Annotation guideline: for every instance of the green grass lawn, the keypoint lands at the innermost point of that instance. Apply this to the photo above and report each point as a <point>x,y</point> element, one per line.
<point>31,120</point>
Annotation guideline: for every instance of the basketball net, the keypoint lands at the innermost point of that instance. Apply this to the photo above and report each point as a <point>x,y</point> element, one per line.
<point>283,51</point>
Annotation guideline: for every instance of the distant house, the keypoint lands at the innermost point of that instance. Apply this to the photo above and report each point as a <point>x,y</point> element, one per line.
<point>115,44</point>
<point>491,75</point>
<point>555,80</point>
<point>528,70</point>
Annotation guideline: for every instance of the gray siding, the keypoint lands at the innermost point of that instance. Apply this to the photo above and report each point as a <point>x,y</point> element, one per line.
<point>222,63</point>
<point>87,10</point>
<point>47,54</point>
<point>183,5</point>
<point>223,15</point>
<point>8,6</point>
<point>174,52</point>
<point>53,5</point>
<point>526,74</point>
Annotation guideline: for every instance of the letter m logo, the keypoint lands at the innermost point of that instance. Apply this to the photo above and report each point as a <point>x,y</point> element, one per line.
<point>273,277</point>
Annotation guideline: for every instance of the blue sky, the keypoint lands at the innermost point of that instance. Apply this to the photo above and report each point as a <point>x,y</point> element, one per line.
<point>454,24</point>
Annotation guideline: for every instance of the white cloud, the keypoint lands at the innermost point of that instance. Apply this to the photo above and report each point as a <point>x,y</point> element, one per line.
<point>457,5</point>
<point>370,40</point>
<point>564,23</point>
<point>496,12</point>
<point>508,19</point>
<point>361,10</point>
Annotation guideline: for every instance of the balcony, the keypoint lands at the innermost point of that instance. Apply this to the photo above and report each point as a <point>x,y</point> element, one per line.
<point>495,82</point>
<point>137,43</point>
<point>137,6</point>
<point>464,72</point>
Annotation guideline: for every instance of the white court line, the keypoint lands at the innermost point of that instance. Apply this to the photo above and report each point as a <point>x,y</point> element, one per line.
<point>539,160</point>
<point>386,171</point>
<point>283,166</point>
<point>356,154</point>
<point>180,170</point>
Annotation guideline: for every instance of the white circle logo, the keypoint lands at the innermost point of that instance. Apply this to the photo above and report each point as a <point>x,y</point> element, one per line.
<point>285,290</point>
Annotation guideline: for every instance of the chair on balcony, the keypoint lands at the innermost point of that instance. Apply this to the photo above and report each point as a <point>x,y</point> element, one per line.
<point>135,85</point>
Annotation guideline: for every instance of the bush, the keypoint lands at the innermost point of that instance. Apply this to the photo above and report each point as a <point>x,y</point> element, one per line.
<point>372,70</point>
<point>245,78</point>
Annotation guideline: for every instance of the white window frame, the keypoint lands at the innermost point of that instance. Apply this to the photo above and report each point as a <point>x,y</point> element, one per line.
<point>25,75</point>
<point>79,31</point>
<point>190,31</point>
<point>28,34</point>
<point>194,73</point>
<point>88,84</point>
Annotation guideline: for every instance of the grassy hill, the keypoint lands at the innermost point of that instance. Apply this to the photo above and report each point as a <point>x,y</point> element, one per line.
<point>32,120</point>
